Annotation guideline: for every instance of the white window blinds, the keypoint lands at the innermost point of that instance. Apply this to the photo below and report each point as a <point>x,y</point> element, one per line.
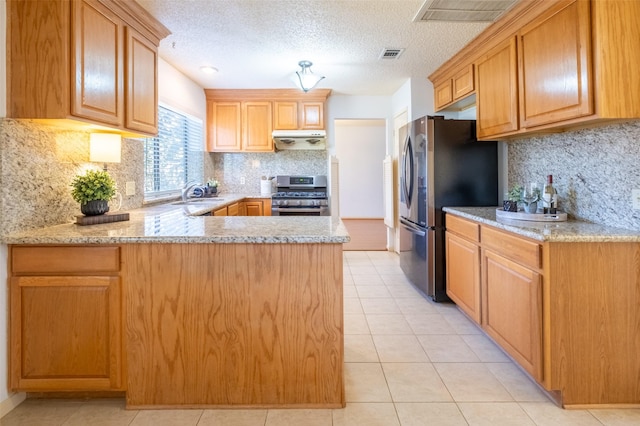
<point>175,156</point>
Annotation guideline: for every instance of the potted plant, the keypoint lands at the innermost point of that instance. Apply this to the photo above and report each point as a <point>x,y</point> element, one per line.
<point>212,187</point>
<point>93,190</point>
<point>510,204</point>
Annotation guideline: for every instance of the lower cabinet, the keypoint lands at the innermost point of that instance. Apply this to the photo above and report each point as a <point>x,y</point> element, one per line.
<point>512,301</point>
<point>65,318</point>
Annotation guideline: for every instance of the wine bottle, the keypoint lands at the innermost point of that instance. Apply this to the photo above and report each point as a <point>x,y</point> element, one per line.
<point>549,197</point>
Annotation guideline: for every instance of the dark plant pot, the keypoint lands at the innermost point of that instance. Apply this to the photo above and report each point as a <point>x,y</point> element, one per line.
<point>510,206</point>
<point>94,207</point>
<point>210,190</point>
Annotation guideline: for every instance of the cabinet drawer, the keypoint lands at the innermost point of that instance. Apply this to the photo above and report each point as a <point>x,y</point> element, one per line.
<point>512,246</point>
<point>64,259</point>
<point>463,227</point>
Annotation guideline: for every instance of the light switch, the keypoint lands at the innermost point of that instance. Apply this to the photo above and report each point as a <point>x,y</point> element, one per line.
<point>130,188</point>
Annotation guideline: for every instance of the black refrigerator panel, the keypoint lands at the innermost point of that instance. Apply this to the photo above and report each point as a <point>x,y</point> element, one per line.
<point>417,255</point>
<point>465,170</point>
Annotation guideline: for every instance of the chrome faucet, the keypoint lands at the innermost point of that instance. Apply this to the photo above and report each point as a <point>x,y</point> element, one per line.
<point>187,187</point>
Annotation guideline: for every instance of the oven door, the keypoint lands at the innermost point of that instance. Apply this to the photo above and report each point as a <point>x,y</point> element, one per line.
<point>299,211</point>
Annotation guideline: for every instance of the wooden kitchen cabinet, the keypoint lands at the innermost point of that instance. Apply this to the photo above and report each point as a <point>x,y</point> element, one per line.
<point>290,115</point>
<point>233,209</point>
<point>68,61</point>
<point>65,318</point>
<point>257,126</point>
<point>224,126</point>
<point>497,91</point>
<point>252,208</point>
<point>220,212</point>
<point>455,87</point>
<point>463,265</point>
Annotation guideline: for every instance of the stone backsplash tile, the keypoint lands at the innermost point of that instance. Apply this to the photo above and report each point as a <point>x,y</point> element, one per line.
<point>594,171</point>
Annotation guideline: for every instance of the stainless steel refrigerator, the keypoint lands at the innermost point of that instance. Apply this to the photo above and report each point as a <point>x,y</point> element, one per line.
<point>442,165</point>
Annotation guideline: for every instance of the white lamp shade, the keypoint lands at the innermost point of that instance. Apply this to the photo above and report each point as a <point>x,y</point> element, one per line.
<point>105,147</point>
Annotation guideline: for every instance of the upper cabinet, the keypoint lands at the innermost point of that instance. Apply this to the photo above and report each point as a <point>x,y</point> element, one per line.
<point>453,87</point>
<point>87,61</point>
<point>551,66</point>
<point>244,120</point>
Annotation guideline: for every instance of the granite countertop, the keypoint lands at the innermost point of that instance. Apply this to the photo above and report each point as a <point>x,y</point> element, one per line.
<point>171,223</point>
<point>569,231</point>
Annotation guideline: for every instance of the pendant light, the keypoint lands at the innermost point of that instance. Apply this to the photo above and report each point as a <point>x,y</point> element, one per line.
<point>306,78</point>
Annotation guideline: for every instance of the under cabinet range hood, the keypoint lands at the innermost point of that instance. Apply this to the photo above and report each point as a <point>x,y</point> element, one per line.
<point>300,139</point>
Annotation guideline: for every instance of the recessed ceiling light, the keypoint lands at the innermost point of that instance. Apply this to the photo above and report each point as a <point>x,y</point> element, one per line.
<point>208,70</point>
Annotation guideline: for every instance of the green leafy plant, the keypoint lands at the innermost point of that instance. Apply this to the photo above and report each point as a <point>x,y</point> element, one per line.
<point>515,194</point>
<point>93,185</point>
<point>213,183</point>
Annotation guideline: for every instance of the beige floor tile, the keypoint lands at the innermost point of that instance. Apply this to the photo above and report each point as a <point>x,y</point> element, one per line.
<point>617,417</point>
<point>446,307</point>
<point>354,255</point>
<point>472,382</point>
<point>549,414</point>
<point>429,324</point>
<point>415,306</point>
<point>347,281</point>
<point>486,350</point>
<point>517,383</point>
<point>388,324</point>
<point>367,279</point>
<point>400,291</point>
<point>447,348</point>
<point>495,413</point>
<point>372,305</point>
<point>233,418</point>
<point>365,382</point>
<point>430,414</point>
<point>359,348</point>
<point>41,412</point>
<point>461,324</point>
<point>316,417</point>
<point>362,269</point>
<point>387,269</point>
<point>101,412</point>
<point>415,382</point>
<point>167,418</point>
<point>366,414</point>
<point>349,291</point>
<point>399,348</point>
<point>374,291</point>
<point>352,306</point>
<point>355,324</point>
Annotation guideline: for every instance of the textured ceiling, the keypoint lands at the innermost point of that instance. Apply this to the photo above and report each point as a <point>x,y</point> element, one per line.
<point>258,43</point>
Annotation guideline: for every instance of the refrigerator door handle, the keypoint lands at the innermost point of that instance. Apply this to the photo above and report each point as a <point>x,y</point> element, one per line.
<point>413,228</point>
<point>407,169</point>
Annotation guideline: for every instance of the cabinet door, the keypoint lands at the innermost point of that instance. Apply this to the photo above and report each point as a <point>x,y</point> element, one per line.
<point>462,83</point>
<point>97,70</point>
<point>233,209</point>
<point>253,208</point>
<point>512,300</point>
<point>66,333</point>
<point>257,126</point>
<point>285,115</point>
<point>443,93</point>
<point>497,91</point>
<point>463,274</point>
<point>312,114</point>
<point>555,66</point>
<point>220,212</point>
<point>141,84</point>
<point>224,124</point>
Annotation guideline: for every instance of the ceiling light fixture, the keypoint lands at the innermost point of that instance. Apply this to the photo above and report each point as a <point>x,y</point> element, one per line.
<point>208,70</point>
<point>306,78</point>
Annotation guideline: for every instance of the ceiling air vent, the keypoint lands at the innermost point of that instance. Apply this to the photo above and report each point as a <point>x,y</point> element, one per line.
<point>390,53</point>
<point>462,10</point>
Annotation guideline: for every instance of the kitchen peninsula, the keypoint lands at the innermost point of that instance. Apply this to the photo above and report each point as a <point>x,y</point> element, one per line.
<point>179,310</point>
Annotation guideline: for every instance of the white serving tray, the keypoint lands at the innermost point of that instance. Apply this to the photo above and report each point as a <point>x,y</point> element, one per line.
<point>532,217</point>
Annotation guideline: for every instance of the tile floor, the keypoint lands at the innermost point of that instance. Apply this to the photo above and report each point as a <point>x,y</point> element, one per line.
<point>408,361</point>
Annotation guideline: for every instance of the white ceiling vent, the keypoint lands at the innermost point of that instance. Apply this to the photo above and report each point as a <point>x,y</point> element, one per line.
<point>462,10</point>
<point>390,53</point>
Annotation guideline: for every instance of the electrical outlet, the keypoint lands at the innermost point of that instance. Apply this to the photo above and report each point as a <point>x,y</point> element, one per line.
<point>242,180</point>
<point>130,188</point>
<point>635,199</point>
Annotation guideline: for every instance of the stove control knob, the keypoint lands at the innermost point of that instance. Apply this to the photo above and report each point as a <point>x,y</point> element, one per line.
<point>284,202</point>
<point>298,203</point>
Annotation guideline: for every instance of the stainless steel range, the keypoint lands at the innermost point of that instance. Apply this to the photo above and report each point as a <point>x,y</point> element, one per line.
<point>300,196</point>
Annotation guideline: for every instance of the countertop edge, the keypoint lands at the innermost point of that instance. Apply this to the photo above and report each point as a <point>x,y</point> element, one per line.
<point>570,231</point>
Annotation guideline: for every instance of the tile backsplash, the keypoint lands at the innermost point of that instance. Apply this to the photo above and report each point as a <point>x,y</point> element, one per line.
<point>230,168</point>
<point>594,171</point>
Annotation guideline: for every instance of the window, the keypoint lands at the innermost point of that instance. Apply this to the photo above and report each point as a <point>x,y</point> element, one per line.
<point>175,156</point>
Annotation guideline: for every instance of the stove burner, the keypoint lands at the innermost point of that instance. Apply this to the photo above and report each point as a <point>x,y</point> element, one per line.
<point>289,194</point>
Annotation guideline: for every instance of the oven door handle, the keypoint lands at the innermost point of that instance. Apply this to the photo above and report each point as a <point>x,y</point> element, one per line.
<point>298,209</point>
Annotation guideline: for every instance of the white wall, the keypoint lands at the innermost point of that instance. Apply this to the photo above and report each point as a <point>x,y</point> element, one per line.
<point>360,149</point>
<point>175,89</point>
